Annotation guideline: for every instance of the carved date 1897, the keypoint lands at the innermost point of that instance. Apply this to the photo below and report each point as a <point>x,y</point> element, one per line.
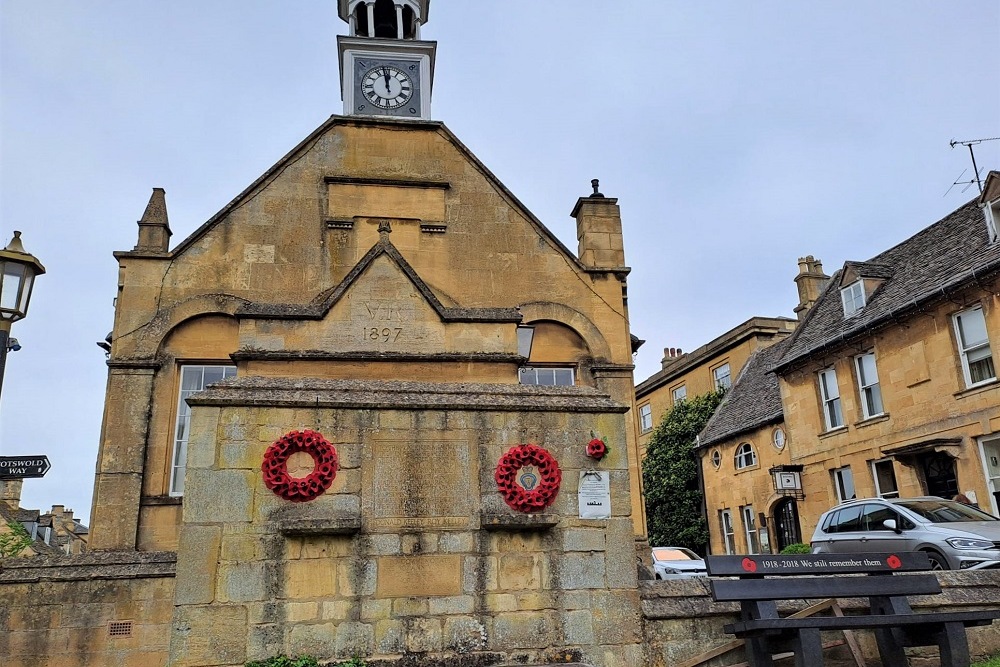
<point>383,335</point>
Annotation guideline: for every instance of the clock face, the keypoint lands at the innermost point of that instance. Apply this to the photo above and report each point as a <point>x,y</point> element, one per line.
<point>386,87</point>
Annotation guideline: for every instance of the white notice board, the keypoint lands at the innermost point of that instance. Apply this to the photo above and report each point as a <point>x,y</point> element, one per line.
<point>595,494</point>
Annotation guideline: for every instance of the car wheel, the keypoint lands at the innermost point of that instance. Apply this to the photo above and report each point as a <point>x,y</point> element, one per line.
<point>938,562</point>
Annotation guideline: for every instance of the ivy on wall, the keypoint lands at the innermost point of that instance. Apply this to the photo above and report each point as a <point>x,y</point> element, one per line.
<point>14,542</point>
<point>670,475</point>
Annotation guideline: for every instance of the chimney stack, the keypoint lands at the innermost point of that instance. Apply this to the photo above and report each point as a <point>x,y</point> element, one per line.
<point>10,493</point>
<point>811,280</point>
<point>599,230</point>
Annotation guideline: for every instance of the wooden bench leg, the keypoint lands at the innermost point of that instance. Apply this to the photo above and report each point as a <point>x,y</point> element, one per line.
<point>890,649</point>
<point>808,648</point>
<point>758,652</point>
<point>954,646</point>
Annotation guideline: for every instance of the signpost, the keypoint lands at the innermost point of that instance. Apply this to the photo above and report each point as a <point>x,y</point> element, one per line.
<point>23,467</point>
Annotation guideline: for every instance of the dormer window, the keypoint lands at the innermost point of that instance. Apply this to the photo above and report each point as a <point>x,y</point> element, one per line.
<point>992,213</point>
<point>853,297</point>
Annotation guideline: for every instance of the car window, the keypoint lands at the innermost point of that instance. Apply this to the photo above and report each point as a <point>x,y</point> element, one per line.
<point>874,515</point>
<point>674,554</point>
<point>946,511</point>
<point>848,520</point>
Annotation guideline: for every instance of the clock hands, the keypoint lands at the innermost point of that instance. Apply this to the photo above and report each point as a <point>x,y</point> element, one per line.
<point>388,89</point>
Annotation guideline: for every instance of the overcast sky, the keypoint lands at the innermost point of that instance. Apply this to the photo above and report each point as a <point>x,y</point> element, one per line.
<point>737,136</point>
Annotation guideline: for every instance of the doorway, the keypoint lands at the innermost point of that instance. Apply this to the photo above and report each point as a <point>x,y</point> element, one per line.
<point>991,465</point>
<point>786,523</point>
<point>939,474</point>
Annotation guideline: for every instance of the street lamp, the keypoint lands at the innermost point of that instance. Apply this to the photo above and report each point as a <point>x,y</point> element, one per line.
<point>17,276</point>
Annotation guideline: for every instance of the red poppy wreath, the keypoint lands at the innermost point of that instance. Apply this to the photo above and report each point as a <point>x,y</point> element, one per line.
<point>299,489</point>
<point>528,478</point>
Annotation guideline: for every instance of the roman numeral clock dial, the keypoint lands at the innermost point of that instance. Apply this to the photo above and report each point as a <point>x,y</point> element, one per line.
<point>386,87</point>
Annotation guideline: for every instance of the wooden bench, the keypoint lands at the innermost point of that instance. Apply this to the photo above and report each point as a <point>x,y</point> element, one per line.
<point>765,579</point>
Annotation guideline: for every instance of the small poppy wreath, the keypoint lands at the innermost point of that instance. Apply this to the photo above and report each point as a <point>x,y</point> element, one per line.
<point>596,449</point>
<point>299,489</point>
<point>519,498</point>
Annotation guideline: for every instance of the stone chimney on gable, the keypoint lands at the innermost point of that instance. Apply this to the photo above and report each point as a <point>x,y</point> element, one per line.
<point>10,493</point>
<point>599,230</point>
<point>154,228</point>
<point>811,280</point>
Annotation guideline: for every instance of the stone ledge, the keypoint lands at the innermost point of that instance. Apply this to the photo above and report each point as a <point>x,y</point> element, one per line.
<point>302,527</point>
<point>89,566</point>
<point>518,522</point>
<point>387,395</point>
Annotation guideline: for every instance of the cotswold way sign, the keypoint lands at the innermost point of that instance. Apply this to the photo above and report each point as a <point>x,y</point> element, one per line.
<point>22,467</point>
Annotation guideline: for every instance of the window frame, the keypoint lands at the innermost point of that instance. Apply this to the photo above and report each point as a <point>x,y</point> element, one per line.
<point>851,294</point>
<point>645,418</point>
<point>728,530</point>
<point>683,397</point>
<point>742,451</point>
<point>870,390</point>
<point>830,401</point>
<point>878,485</point>
<point>750,529</point>
<point>177,443</point>
<point>963,352</point>
<point>524,370</point>
<point>728,377</point>
<point>840,487</point>
<point>716,458</point>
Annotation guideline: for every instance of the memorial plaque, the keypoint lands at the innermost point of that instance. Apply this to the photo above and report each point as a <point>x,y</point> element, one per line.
<point>411,484</point>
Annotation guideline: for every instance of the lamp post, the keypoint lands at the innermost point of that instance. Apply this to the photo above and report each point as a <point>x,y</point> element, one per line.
<point>17,276</point>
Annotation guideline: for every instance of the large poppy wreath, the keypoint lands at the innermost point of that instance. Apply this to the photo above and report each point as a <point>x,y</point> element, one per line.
<point>299,489</point>
<point>527,491</point>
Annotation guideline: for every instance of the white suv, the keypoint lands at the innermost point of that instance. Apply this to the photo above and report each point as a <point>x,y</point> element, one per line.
<point>954,535</point>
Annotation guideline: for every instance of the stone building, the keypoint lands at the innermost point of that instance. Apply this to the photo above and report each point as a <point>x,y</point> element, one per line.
<point>887,388</point>
<point>713,365</point>
<point>51,533</point>
<point>357,402</point>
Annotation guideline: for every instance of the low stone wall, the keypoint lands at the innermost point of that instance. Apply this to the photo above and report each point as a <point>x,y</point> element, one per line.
<point>682,621</point>
<point>86,611</point>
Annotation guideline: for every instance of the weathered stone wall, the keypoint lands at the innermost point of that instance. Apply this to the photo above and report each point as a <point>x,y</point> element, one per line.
<point>57,611</point>
<point>682,621</point>
<point>412,551</point>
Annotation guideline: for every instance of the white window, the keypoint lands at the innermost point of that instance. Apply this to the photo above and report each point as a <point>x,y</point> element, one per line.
<point>745,456</point>
<point>645,418</point>
<point>843,481</point>
<point>728,533</point>
<point>750,527</point>
<point>716,458</point>
<point>853,297</point>
<point>722,379</point>
<point>547,377</point>
<point>992,212</point>
<point>680,393</point>
<point>193,380</point>
<point>830,393</point>
<point>974,347</point>
<point>778,438</point>
<point>871,394</point>
<point>885,479</point>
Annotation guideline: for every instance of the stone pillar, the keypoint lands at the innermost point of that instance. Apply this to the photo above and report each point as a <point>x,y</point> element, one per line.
<point>154,228</point>
<point>114,519</point>
<point>599,231</point>
<point>811,280</point>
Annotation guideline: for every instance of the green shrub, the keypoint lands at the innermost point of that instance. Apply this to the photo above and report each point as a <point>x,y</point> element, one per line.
<point>285,661</point>
<point>992,662</point>
<point>797,548</point>
<point>14,542</point>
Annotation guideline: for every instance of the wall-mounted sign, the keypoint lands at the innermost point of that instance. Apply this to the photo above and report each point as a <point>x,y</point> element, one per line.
<point>595,494</point>
<point>788,481</point>
<point>23,467</point>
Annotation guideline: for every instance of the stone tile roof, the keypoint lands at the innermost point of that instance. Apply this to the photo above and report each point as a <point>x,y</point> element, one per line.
<point>753,401</point>
<point>22,515</point>
<point>947,256</point>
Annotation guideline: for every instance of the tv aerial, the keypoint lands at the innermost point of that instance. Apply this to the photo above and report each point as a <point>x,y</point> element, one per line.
<point>976,177</point>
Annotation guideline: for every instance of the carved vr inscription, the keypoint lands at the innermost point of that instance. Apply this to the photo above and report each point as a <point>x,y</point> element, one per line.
<point>384,322</point>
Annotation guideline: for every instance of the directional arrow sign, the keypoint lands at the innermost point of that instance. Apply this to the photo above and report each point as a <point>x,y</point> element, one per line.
<point>21,467</point>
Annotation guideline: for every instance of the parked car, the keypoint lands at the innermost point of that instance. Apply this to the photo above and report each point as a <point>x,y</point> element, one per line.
<point>676,562</point>
<point>954,535</point>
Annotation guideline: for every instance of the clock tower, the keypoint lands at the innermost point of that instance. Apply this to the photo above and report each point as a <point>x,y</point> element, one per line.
<point>385,68</point>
